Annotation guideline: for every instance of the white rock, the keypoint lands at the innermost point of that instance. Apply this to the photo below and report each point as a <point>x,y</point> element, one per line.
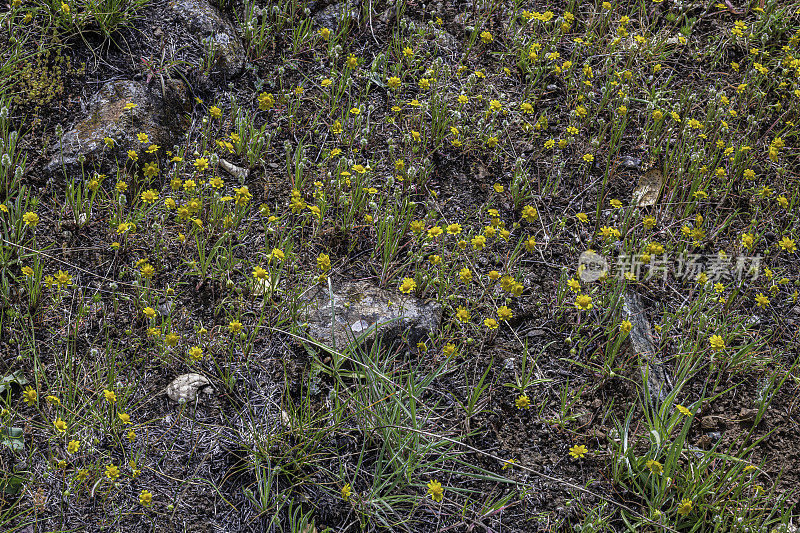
<point>186,387</point>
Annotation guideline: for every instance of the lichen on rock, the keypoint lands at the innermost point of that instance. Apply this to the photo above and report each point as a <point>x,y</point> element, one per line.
<point>119,111</point>
<point>362,309</point>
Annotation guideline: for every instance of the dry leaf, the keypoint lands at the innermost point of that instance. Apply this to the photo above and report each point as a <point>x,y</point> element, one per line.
<point>649,187</point>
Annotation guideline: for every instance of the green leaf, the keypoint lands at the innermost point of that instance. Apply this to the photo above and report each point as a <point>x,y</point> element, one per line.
<point>13,438</point>
<point>12,484</point>
<point>374,78</point>
<point>10,379</point>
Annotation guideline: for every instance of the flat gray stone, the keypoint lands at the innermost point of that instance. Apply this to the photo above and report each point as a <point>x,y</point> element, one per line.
<point>160,116</point>
<point>203,20</point>
<point>360,308</point>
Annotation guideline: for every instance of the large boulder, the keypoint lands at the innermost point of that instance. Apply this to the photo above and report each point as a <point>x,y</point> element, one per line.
<point>121,110</point>
<point>360,308</point>
<point>203,20</point>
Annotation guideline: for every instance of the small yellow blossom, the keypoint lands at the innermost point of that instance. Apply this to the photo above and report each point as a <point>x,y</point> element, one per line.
<point>407,285</point>
<point>146,498</point>
<point>435,490</point>
<point>529,213</point>
<point>259,273</point>
<point>523,402</point>
<point>578,451</point>
<point>761,300</point>
<point>449,350</point>
<point>717,343</point>
<point>277,254</point>
<point>195,353</point>
<point>149,196</point>
<point>583,302</point>
<point>30,219</point>
<point>201,164</point>
<point>787,244</point>
<point>112,472</point>
<point>655,467</point>
<point>60,425</point>
<point>63,278</point>
<point>266,100</point>
<point>685,507</point>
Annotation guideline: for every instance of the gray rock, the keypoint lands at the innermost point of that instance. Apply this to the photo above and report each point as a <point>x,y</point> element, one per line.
<point>186,387</point>
<point>158,115</point>
<point>203,20</point>
<point>630,162</point>
<point>441,39</point>
<point>360,308</point>
<point>653,369</point>
<point>446,40</point>
<point>165,308</point>
<point>330,16</point>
